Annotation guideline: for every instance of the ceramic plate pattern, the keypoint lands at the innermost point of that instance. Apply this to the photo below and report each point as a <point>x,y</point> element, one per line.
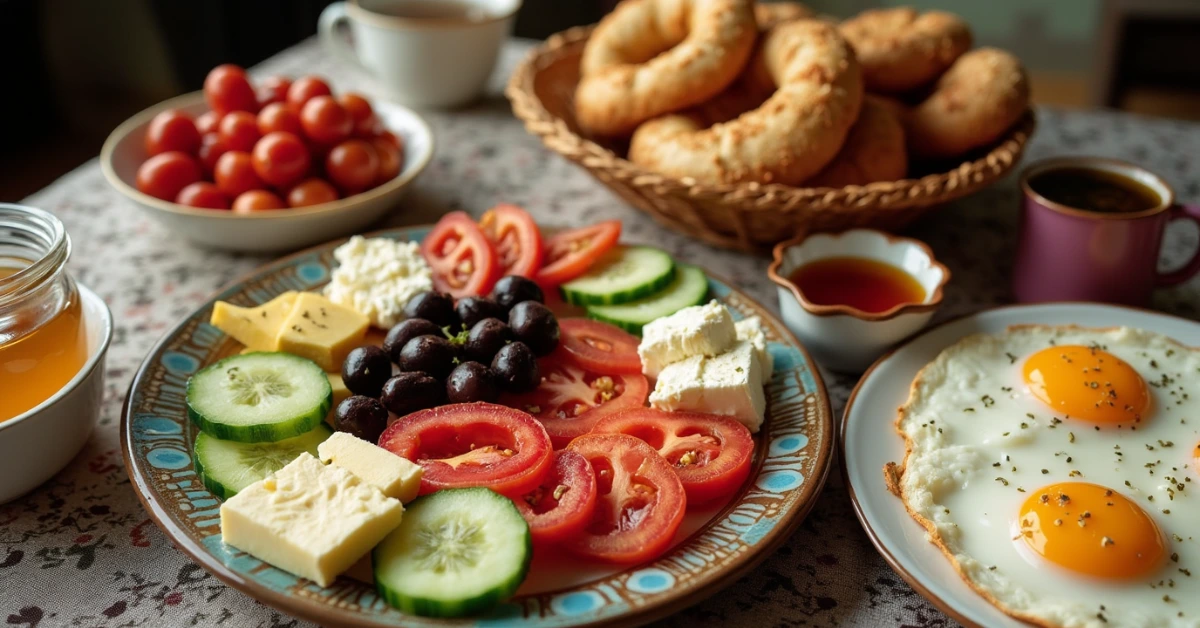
<point>869,441</point>
<point>791,463</point>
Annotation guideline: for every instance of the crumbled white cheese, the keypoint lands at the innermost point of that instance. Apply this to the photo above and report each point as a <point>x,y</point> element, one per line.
<point>377,277</point>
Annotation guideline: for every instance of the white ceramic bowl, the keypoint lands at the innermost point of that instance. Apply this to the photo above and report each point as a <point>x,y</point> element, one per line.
<point>843,338</point>
<point>39,443</point>
<point>281,230</point>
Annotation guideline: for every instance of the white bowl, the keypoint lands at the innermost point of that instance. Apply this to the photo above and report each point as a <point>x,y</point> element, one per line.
<point>840,337</point>
<point>273,231</point>
<point>37,444</point>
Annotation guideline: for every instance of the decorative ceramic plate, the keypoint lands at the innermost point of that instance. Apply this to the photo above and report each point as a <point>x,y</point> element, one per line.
<point>869,441</point>
<point>715,546</point>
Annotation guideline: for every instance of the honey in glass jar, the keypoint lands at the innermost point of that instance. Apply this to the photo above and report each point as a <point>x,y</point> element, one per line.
<point>43,342</point>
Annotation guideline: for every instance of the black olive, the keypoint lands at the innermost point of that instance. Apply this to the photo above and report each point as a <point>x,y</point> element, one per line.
<point>470,382</point>
<point>534,324</point>
<point>408,392</point>
<point>435,307</point>
<point>361,416</point>
<point>399,335</point>
<point>514,289</point>
<point>365,370</point>
<point>471,310</point>
<point>516,367</point>
<point>485,339</point>
<point>433,355</point>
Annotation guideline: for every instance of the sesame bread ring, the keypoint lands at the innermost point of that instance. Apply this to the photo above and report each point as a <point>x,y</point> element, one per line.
<point>769,14</point>
<point>787,139</point>
<point>650,57</point>
<point>973,104</point>
<point>874,150</point>
<point>900,49</point>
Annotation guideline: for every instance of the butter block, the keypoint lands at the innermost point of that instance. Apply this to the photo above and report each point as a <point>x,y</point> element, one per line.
<point>700,330</point>
<point>750,330</point>
<point>394,476</point>
<point>321,330</point>
<point>255,327</point>
<point>309,519</point>
<point>730,384</point>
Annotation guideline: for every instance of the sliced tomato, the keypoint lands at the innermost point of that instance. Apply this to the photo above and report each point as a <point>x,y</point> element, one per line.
<point>559,508</point>
<point>572,398</point>
<point>472,444</point>
<point>515,237</point>
<point>639,502</point>
<point>462,259</point>
<point>569,254</point>
<point>710,453</point>
<point>600,346</point>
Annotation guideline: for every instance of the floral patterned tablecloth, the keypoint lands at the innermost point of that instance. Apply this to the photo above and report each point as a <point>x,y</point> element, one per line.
<point>80,551</point>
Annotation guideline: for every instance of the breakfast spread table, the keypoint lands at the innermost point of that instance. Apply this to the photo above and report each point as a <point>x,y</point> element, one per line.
<point>81,550</point>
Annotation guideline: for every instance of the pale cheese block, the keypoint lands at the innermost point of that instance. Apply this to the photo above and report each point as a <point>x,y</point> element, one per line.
<point>255,327</point>
<point>730,384</point>
<point>394,476</point>
<point>699,330</point>
<point>322,331</point>
<point>750,330</point>
<point>309,519</point>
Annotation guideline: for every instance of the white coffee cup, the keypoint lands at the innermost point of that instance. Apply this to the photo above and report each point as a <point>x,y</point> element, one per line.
<point>423,53</point>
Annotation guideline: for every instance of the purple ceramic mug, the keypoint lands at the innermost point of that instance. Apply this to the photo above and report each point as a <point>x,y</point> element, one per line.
<point>1071,254</point>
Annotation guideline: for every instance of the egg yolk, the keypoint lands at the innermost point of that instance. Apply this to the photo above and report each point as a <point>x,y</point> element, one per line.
<point>1091,530</point>
<point>1089,384</point>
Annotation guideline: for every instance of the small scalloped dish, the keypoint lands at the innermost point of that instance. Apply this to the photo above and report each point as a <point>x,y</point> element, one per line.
<point>843,338</point>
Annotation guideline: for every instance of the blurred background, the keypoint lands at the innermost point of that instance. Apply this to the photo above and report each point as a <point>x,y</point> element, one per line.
<point>77,68</point>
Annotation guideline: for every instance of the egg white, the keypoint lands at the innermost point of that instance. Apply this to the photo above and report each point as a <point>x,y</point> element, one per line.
<point>969,411</point>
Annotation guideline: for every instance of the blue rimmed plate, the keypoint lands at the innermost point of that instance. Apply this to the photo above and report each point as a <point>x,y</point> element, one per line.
<point>715,546</point>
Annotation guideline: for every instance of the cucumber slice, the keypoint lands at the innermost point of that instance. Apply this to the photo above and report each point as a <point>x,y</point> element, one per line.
<point>690,287</point>
<point>259,397</point>
<point>227,467</point>
<point>457,552</point>
<point>624,274</point>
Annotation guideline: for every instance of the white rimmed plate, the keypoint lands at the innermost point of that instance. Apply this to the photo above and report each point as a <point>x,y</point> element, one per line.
<point>869,441</point>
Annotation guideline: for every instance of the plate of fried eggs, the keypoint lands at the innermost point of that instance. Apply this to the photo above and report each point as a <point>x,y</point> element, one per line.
<point>1037,464</point>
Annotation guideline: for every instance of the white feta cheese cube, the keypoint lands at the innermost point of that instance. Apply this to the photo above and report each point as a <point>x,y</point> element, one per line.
<point>729,384</point>
<point>750,330</point>
<point>392,475</point>
<point>700,330</point>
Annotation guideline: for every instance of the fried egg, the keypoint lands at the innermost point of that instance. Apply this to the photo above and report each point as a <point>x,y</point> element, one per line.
<point>1057,468</point>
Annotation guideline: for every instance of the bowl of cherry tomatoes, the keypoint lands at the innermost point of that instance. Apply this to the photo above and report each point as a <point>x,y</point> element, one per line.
<point>268,167</point>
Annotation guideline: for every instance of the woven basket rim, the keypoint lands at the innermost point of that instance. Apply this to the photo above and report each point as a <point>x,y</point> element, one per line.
<point>528,106</point>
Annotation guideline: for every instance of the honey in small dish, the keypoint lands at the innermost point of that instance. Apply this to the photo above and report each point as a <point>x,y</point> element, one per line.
<point>864,284</point>
<point>43,341</point>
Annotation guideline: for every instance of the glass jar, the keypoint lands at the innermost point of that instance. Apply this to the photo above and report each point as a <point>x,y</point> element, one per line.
<point>43,342</point>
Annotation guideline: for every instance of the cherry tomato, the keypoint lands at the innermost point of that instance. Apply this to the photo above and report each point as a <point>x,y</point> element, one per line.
<point>172,130</point>
<point>227,89</point>
<point>256,201</point>
<point>571,399</point>
<point>278,117</point>
<point>281,158</point>
<point>472,444</point>
<point>234,174</point>
<point>207,122</point>
<point>305,88</point>
<point>600,346</point>
<point>239,130</point>
<point>516,238</point>
<point>367,128</point>
<point>273,89</point>
<point>325,121</point>
<point>389,161</point>
<point>211,149</point>
<point>202,194</point>
<point>311,192</point>
<point>353,166</point>
<point>710,453</point>
<point>462,259</point>
<point>391,138</point>
<point>640,501</point>
<point>570,253</point>
<point>562,505</point>
<point>358,107</point>
<point>165,174</point>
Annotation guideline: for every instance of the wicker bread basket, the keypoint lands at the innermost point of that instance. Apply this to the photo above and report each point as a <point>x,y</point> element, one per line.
<point>748,216</point>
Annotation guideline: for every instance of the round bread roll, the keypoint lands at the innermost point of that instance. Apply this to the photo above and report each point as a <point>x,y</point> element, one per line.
<point>787,139</point>
<point>874,150</point>
<point>900,49</point>
<point>650,57</point>
<point>973,104</point>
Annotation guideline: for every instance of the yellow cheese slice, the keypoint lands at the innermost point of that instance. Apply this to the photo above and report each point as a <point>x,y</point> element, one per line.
<point>255,327</point>
<point>321,330</point>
